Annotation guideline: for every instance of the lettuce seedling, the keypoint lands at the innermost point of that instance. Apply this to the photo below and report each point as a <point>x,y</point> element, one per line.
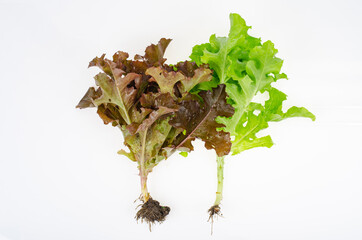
<point>152,105</point>
<point>246,67</point>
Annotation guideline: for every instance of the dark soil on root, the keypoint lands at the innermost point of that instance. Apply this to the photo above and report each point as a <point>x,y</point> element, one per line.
<point>214,211</point>
<point>151,212</point>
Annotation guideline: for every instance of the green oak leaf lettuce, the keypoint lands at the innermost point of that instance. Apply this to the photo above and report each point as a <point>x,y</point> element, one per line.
<point>246,67</point>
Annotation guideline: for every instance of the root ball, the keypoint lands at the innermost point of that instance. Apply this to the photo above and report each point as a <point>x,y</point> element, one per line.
<point>152,212</point>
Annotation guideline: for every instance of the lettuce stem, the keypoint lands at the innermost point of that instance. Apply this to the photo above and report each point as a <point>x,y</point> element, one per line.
<point>220,179</point>
<point>145,194</point>
<point>142,167</point>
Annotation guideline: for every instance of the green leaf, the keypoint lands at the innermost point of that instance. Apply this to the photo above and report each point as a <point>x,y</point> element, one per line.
<point>127,154</point>
<point>184,154</point>
<point>218,52</point>
<point>273,108</point>
<point>263,62</point>
<point>299,112</point>
<point>247,68</point>
<point>248,144</point>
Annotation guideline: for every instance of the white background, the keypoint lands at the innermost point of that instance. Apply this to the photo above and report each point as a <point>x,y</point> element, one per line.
<point>60,176</point>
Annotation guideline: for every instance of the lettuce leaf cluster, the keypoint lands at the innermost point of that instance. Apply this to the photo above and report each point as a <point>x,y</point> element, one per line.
<point>246,67</point>
<point>161,109</point>
<point>152,104</point>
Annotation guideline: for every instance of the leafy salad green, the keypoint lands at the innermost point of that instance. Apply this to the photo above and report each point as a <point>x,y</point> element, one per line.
<point>246,66</point>
<point>161,109</point>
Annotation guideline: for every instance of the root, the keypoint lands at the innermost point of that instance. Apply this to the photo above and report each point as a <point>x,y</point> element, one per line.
<point>214,212</point>
<point>151,212</point>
